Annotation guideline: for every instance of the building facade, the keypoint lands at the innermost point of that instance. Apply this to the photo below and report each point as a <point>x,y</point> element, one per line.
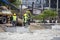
<point>43,4</point>
<point>37,3</point>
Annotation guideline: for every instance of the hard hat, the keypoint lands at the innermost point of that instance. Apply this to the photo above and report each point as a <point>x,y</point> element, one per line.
<point>14,13</point>
<point>25,14</point>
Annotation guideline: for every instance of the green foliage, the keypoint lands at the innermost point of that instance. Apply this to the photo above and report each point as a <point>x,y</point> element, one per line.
<point>17,2</point>
<point>46,14</point>
<point>41,16</point>
<point>50,13</point>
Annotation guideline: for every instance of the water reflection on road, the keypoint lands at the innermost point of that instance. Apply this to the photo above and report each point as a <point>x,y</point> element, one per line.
<point>23,29</point>
<point>16,29</point>
<point>55,27</point>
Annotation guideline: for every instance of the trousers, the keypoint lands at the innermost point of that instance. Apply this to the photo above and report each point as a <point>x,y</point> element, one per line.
<point>14,23</point>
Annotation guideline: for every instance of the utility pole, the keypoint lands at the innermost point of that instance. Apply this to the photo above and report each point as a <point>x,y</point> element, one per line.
<point>57,6</point>
<point>27,3</point>
<point>49,3</point>
<point>32,7</point>
<point>21,9</point>
<point>42,5</point>
<point>57,12</point>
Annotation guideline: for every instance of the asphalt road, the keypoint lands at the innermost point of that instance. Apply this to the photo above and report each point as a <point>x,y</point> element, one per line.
<point>47,34</point>
<point>17,29</point>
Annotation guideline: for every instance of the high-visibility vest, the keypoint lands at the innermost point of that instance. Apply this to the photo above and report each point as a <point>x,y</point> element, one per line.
<point>14,18</point>
<point>25,17</point>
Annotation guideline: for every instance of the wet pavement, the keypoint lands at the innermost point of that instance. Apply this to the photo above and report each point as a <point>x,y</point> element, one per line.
<point>17,29</point>
<point>23,33</point>
<point>46,34</point>
<point>56,38</point>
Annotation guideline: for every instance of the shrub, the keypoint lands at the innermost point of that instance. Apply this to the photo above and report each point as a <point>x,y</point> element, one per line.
<point>46,14</point>
<point>50,13</point>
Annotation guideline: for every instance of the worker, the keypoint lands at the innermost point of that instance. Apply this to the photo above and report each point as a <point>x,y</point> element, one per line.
<point>14,19</point>
<point>27,17</point>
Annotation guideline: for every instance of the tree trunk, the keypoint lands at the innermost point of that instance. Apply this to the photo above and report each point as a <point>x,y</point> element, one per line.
<point>50,21</point>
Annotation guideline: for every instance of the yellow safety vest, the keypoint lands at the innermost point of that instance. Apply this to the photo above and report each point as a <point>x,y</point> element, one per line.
<point>14,18</point>
<point>25,17</point>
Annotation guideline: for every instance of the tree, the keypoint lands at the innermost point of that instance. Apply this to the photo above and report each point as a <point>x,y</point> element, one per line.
<point>40,17</point>
<point>50,14</point>
<point>46,14</point>
<point>17,2</point>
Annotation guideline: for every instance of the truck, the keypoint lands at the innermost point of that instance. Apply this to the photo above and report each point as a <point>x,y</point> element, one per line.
<point>5,13</point>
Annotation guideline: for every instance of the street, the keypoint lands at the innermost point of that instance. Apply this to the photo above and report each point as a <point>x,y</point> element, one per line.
<point>22,33</point>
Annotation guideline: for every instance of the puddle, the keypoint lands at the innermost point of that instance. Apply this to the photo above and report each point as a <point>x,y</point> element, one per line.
<point>26,29</point>
<point>56,38</point>
<point>17,29</point>
<point>56,27</point>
